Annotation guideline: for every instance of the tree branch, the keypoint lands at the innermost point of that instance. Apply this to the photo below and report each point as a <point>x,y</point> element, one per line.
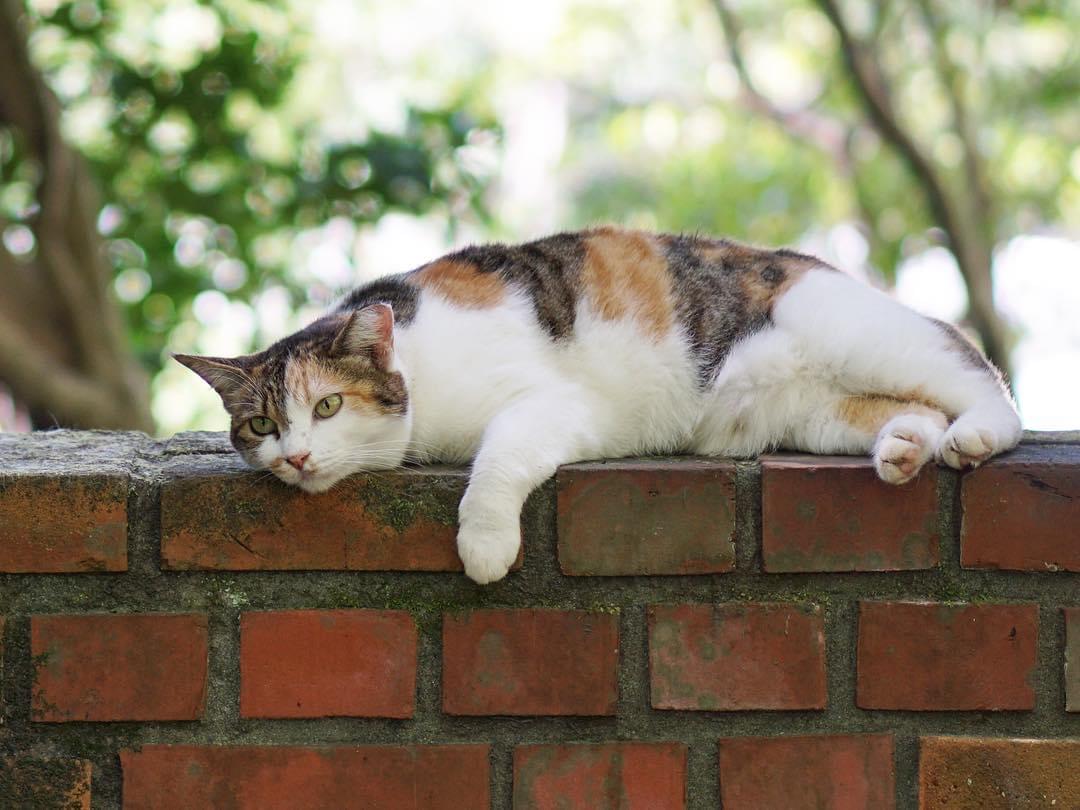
<point>82,355</point>
<point>873,90</point>
<point>35,377</point>
<point>953,83</point>
<point>826,133</point>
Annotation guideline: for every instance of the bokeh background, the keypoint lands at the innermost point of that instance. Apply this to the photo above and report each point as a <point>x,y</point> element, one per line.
<point>207,176</point>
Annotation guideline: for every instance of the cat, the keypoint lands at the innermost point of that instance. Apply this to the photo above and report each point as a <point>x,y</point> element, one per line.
<point>606,342</point>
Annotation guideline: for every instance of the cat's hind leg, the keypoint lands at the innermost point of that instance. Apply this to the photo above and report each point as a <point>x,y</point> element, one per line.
<point>770,394</point>
<point>865,342</point>
<point>905,434</point>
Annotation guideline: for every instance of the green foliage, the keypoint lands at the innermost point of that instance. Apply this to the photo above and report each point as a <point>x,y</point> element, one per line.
<point>758,178</point>
<point>206,166</point>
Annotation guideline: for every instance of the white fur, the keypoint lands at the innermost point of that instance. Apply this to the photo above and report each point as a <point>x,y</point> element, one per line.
<point>490,386</point>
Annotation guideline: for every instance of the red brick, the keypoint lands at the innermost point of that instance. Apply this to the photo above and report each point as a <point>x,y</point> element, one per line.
<point>646,517</point>
<point>834,514</point>
<point>965,773</point>
<point>608,776</point>
<point>806,773</point>
<point>927,656</point>
<point>327,663</point>
<point>530,662</point>
<point>35,782</point>
<point>118,667</point>
<point>737,656</point>
<point>1021,510</point>
<point>401,521</point>
<point>63,524</point>
<point>1072,659</point>
<point>419,777</point>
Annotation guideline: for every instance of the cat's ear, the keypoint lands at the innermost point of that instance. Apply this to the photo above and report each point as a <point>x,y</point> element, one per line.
<point>226,375</point>
<point>368,331</point>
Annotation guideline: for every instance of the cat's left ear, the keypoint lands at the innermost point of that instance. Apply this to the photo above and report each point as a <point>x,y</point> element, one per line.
<point>226,375</point>
<point>368,331</point>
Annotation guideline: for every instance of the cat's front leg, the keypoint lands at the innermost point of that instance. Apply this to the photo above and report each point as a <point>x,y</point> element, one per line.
<point>522,447</point>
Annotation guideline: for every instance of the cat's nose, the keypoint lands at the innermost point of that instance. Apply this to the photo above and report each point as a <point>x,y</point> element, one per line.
<point>298,460</point>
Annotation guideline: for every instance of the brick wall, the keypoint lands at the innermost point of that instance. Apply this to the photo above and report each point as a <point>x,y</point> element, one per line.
<point>179,632</point>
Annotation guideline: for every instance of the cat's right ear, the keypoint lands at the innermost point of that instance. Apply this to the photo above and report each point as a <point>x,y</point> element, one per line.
<point>226,375</point>
<point>368,331</point>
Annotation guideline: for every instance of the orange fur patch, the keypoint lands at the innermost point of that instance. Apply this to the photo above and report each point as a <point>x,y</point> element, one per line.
<point>626,276</point>
<point>461,284</point>
<point>870,412</point>
<point>359,397</point>
<point>309,380</point>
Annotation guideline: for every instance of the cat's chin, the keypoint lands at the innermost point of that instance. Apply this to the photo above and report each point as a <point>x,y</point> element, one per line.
<point>313,484</point>
<point>316,484</point>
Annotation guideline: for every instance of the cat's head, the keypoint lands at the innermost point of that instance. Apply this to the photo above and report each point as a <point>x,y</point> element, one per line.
<point>318,405</point>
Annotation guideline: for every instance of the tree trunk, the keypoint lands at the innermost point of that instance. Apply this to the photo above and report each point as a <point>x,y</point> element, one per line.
<point>63,349</point>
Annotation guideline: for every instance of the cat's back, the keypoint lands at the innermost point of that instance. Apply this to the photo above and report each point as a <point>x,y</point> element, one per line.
<point>709,290</point>
<point>705,293</point>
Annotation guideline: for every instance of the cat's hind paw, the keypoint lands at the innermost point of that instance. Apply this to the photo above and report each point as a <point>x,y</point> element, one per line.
<point>965,446</point>
<point>904,445</point>
<point>487,553</point>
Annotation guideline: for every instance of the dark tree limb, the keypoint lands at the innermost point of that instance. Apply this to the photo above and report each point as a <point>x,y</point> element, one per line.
<point>817,129</point>
<point>62,344</point>
<point>953,83</point>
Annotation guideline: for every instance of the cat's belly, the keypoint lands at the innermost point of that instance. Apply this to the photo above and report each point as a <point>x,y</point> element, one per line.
<point>765,391</point>
<point>642,390</point>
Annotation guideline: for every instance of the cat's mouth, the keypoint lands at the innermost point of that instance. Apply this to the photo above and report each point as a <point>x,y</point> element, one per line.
<point>310,478</point>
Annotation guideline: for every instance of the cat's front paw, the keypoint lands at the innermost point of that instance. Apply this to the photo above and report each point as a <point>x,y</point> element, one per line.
<point>487,552</point>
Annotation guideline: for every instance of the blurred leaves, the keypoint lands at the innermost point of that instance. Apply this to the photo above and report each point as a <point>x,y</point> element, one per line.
<point>719,165</point>
<point>207,166</point>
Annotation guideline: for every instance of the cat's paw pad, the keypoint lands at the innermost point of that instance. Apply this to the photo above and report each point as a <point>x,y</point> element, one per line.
<point>904,446</point>
<point>487,553</point>
<point>965,446</point>
<point>898,459</point>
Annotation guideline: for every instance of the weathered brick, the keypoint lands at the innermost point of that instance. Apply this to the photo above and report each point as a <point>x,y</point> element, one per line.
<point>1021,510</point>
<point>327,663</point>
<point>44,783</point>
<point>530,662</point>
<point>63,524</point>
<point>822,513</point>
<point>952,657</point>
<point>418,777</point>
<point>404,521</point>
<point>1072,659</point>
<point>118,667</point>
<point>606,776</point>
<point>966,773</point>
<point>737,656</point>
<point>854,772</point>
<point>646,517</point>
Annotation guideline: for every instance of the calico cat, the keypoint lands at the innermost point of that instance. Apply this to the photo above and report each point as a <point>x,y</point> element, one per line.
<point>606,343</point>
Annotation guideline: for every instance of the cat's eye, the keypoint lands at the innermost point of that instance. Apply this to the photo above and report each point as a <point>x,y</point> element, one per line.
<point>262,425</point>
<point>328,406</point>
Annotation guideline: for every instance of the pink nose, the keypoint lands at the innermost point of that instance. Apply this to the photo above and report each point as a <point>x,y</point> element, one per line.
<point>298,460</point>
